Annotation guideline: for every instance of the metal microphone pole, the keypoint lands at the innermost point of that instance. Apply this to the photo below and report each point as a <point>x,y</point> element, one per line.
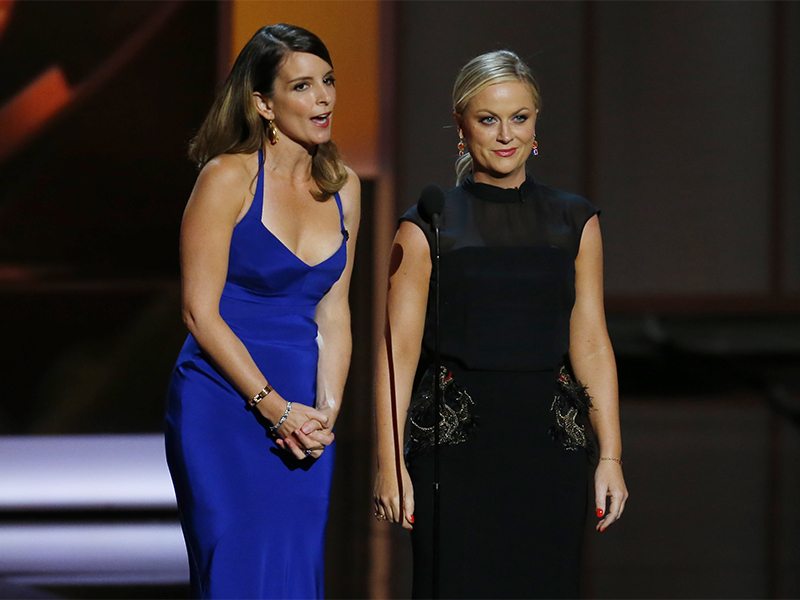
<point>430,206</point>
<point>437,394</point>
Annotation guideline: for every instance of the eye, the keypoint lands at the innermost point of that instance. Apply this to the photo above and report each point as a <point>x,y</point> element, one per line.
<point>299,87</point>
<point>329,80</point>
<point>520,118</point>
<point>487,120</point>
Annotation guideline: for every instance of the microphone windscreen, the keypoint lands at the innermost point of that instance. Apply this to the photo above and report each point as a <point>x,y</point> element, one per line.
<point>431,202</point>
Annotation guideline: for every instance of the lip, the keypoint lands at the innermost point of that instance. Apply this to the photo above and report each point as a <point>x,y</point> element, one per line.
<point>322,120</point>
<point>506,152</point>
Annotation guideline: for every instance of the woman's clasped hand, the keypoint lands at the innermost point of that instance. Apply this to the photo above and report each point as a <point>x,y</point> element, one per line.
<point>308,439</point>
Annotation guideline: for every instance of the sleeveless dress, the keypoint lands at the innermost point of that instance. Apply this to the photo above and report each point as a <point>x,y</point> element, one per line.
<point>513,500</point>
<point>253,516</point>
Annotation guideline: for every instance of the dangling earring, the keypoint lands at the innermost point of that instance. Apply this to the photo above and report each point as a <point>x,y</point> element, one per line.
<point>535,147</point>
<point>461,147</point>
<point>272,133</point>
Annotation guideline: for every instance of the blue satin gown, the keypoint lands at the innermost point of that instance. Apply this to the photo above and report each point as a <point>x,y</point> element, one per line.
<point>253,516</point>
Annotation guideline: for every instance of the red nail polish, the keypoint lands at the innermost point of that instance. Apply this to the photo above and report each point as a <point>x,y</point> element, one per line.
<point>599,513</point>
<point>411,519</point>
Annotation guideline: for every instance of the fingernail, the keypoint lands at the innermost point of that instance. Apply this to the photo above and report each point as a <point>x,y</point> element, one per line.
<point>411,519</point>
<point>602,529</point>
<point>599,513</point>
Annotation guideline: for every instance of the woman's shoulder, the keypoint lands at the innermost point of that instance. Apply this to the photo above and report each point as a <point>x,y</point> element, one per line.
<point>567,208</point>
<point>353,183</point>
<point>454,199</point>
<point>579,207</point>
<point>350,194</point>
<point>551,194</point>
<point>226,182</point>
<point>231,168</point>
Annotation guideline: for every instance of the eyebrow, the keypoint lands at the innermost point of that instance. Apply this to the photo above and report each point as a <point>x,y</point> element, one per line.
<point>519,110</point>
<point>306,77</point>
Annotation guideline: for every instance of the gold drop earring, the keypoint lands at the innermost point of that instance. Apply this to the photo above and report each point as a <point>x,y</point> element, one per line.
<point>461,147</point>
<point>272,132</point>
<point>535,147</point>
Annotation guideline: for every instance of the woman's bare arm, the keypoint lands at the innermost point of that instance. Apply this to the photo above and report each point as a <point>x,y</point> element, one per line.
<point>333,317</point>
<point>398,355</point>
<point>592,359</point>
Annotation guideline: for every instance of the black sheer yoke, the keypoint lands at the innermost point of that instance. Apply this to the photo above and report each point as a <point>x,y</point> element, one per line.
<point>508,275</point>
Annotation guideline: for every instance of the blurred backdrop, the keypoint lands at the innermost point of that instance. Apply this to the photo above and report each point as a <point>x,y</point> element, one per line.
<point>680,120</point>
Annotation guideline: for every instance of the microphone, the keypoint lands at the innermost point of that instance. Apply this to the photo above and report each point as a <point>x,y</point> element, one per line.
<point>431,204</point>
<point>430,207</point>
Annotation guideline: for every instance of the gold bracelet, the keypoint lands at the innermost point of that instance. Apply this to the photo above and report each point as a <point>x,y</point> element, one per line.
<point>260,396</point>
<point>616,460</point>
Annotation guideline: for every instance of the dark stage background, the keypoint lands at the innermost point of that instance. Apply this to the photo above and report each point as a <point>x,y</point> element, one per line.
<point>680,120</point>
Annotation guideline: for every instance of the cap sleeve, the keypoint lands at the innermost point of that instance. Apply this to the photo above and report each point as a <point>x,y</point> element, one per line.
<point>580,211</point>
<point>412,215</point>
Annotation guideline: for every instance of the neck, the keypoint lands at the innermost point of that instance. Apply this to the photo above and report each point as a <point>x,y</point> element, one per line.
<point>288,160</point>
<point>510,180</point>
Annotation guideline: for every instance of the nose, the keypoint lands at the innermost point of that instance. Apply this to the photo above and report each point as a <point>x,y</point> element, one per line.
<point>323,96</point>
<point>504,135</point>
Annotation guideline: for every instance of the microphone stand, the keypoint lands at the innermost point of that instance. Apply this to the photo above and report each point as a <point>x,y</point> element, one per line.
<point>437,394</point>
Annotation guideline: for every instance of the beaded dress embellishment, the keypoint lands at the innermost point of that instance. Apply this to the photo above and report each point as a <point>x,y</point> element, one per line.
<point>456,418</point>
<point>570,407</point>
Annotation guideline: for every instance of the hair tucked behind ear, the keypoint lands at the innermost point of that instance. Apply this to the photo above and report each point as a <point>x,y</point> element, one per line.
<point>233,124</point>
<point>484,70</point>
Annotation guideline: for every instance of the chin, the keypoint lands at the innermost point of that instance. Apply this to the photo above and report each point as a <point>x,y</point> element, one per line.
<point>503,171</point>
<point>311,142</point>
<point>321,139</point>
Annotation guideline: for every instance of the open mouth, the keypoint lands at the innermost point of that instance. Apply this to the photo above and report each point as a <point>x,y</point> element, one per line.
<point>322,120</point>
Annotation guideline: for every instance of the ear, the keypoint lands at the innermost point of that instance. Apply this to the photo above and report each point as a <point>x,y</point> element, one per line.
<point>263,105</point>
<point>457,119</point>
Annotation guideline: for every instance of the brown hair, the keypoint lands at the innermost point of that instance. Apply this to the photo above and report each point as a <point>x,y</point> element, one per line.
<point>233,124</point>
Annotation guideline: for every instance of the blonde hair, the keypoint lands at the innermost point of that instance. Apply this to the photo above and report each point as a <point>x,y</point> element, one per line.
<point>233,124</point>
<point>482,71</point>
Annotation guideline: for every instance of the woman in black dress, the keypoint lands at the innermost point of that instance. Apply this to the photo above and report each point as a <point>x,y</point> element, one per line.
<point>522,320</point>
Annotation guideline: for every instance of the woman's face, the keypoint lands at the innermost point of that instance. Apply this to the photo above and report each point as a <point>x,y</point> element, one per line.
<point>498,125</point>
<point>302,101</point>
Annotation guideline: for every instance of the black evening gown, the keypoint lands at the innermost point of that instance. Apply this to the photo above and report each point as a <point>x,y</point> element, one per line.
<point>513,500</point>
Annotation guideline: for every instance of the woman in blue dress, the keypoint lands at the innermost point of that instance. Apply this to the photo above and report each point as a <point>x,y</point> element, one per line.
<point>267,243</point>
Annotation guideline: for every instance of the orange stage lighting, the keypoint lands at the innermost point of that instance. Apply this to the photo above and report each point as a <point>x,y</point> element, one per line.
<point>30,109</point>
<point>5,14</point>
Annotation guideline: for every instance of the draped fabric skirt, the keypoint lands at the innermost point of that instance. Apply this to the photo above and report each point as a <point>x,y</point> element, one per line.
<point>253,516</point>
